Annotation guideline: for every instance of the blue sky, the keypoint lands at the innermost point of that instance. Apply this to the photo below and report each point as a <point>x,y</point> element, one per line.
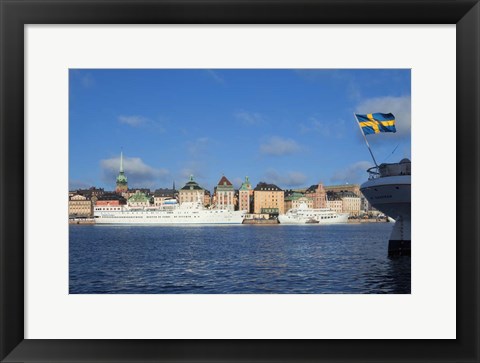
<point>293,128</point>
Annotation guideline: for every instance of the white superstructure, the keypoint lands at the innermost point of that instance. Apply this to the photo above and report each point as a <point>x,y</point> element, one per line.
<point>168,213</point>
<point>389,190</point>
<point>305,215</point>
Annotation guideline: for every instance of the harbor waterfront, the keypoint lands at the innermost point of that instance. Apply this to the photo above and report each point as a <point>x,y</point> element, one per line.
<point>241,259</point>
<point>253,181</point>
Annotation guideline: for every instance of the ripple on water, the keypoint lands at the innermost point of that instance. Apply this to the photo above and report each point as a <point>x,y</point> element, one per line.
<point>349,259</point>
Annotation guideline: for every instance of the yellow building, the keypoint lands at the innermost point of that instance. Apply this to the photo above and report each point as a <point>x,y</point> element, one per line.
<point>334,202</point>
<point>161,195</point>
<point>344,202</point>
<point>79,206</point>
<point>268,199</point>
<point>351,203</point>
<point>191,192</point>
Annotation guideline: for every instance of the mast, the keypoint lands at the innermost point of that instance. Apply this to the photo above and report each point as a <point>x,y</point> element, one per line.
<point>365,138</point>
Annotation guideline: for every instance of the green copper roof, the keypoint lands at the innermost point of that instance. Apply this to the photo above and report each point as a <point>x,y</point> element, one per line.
<point>121,178</point>
<point>296,196</point>
<point>139,197</point>
<point>246,184</point>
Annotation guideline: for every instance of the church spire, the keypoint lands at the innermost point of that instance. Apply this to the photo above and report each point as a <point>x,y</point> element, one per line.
<point>121,161</point>
<point>122,183</point>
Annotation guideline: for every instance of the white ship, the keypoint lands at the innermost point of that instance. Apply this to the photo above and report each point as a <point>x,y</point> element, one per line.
<point>169,213</point>
<point>389,190</point>
<point>305,215</point>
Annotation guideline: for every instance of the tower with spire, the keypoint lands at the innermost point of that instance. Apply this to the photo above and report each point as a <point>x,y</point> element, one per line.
<point>122,183</point>
<point>245,196</point>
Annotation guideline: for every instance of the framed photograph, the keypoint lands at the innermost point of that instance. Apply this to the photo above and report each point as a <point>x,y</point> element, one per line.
<point>238,179</point>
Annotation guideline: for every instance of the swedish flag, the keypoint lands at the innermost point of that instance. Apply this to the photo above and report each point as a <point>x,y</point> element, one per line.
<point>374,123</point>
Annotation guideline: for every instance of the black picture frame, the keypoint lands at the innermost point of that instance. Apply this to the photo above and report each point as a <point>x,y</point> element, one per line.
<point>15,14</point>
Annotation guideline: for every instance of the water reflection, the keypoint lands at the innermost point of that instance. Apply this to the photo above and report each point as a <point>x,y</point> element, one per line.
<point>348,259</point>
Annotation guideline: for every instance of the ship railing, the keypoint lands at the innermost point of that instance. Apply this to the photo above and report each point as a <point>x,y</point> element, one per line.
<point>373,172</point>
<point>393,169</point>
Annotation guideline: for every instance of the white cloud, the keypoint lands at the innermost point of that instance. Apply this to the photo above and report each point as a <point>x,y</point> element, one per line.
<point>140,121</point>
<point>249,118</point>
<point>138,173</point>
<point>278,146</point>
<point>288,179</point>
<point>399,106</point>
<point>354,173</point>
<point>133,121</point>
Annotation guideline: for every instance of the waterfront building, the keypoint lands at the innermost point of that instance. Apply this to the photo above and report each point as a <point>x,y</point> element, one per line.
<point>245,196</point>
<point>79,206</point>
<point>334,202</point>
<point>351,203</point>
<point>344,202</point>
<point>191,192</point>
<point>268,199</point>
<point>207,198</point>
<point>91,192</point>
<point>130,192</point>
<point>365,206</point>
<point>224,194</point>
<point>317,193</point>
<point>122,183</point>
<point>110,199</point>
<point>353,188</point>
<point>139,199</point>
<point>235,199</point>
<point>162,194</point>
<point>295,199</point>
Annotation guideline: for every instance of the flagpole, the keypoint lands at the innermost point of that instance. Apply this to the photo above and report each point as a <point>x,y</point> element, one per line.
<point>365,138</point>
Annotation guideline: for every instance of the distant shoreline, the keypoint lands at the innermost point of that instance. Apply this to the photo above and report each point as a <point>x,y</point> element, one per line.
<point>91,221</point>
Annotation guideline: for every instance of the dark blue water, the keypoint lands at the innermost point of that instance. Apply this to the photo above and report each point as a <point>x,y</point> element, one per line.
<point>243,259</point>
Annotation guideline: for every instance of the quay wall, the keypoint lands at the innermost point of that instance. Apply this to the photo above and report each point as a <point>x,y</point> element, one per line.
<point>81,221</point>
<point>260,221</point>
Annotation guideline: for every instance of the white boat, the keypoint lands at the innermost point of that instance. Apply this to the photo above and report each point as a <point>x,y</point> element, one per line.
<point>169,213</point>
<point>389,190</point>
<point>305,215</point>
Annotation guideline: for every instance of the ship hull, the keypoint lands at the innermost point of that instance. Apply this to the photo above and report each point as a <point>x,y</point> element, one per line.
<point>170,218</point>
<point>392,196</point>
<point>287,219</point>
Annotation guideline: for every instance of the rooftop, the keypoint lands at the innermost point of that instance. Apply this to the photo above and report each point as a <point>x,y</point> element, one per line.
<point>267,187</point>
